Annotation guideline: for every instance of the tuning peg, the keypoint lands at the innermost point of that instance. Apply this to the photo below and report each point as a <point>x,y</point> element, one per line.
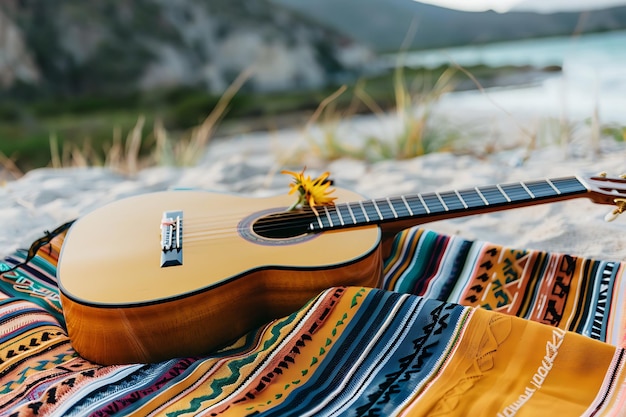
<point>602,174</point>
<point>623,176</point>
<point>620,204</point>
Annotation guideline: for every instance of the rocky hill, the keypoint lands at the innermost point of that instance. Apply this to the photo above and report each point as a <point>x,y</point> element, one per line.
<point>111,47</point>
<point>74,47</point>
<point>384,24</point>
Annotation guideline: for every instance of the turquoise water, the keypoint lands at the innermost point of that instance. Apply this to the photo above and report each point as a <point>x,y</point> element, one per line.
<point>593,76</point>
<point>606,48</point>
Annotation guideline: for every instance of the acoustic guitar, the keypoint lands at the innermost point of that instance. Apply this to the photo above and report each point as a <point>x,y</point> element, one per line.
<point>182,273</point>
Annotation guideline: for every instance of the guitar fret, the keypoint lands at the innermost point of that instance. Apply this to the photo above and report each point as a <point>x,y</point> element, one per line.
<point>351,214</point>
<point>338,211</point>
<point>416,204</point>
<point>399,207</point>
<point>540,189</point>
<point>442,202</point>
<point>527,190</point>
<point>472,198</point>
<point>380,216</point>
<point>452,200</point>
<point>493,195</point>
<point>424,203</point>
<point>553,187</point>
<point>367,218</point>
<point>319,221</point>
<point>326,221</point>
<point>465,206</point>
<point>334,216</point>
<point>433,203</point>
<point>407,205</point>
<point>516,192</point>
<point>569,185</point>
<point>503,193</point>
<point>383,209</point>
<point>358,212</point>
<point>481,196</point>
<point>395,214</point>
<point>330,220</point>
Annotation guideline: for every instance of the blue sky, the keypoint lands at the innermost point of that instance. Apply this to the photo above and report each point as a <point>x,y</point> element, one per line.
<point>536,5</point>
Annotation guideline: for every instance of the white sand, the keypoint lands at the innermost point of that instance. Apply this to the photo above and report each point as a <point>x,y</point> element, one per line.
<point>45,198</point>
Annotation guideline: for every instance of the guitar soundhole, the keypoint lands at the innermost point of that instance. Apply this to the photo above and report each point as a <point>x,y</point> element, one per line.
<point>277,227</point>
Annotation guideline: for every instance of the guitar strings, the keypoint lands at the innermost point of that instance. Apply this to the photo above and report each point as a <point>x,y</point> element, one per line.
<point>269,219</point>
<point>277,216</point>
<point>268,225</point>
<point>280,223</point>
<point>198,228</point>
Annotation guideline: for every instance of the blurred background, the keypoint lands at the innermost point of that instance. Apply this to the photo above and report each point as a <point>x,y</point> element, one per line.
<point>80,81</point>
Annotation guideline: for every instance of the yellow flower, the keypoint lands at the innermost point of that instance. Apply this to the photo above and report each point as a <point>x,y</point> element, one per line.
<point>311,193</point>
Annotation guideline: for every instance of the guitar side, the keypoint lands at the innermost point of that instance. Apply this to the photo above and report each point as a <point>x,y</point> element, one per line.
<point>122,306</point>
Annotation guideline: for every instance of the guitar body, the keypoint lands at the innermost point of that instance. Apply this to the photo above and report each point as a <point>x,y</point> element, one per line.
<point>122,306</point>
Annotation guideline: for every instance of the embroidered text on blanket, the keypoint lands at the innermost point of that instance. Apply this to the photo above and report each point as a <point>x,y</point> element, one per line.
<point>552,350</point>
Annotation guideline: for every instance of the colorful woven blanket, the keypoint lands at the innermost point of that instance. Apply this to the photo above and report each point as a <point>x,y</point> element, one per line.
<point>459,328</point>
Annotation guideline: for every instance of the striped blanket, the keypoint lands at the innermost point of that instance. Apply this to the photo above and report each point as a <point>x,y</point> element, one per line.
<point>459,328</point>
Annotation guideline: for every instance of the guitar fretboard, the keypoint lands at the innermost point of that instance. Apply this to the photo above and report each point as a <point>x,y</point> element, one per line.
<point>426,205</point>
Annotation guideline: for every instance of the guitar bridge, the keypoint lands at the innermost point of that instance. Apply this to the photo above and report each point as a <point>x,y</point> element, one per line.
<point>172,238</point>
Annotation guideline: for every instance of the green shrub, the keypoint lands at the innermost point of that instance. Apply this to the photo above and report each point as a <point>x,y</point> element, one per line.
<point>9,112</point>
<point>191,110</point>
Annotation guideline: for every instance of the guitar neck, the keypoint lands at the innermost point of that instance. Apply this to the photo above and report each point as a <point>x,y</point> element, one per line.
<point>415,209</point>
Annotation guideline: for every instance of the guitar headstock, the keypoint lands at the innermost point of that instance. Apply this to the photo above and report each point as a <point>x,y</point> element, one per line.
<point>608,190</point>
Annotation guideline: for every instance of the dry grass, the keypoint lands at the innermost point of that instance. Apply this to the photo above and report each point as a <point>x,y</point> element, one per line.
<point>327,118</point>
<point>186,150</point>
<point>329,136</point>
<point>9,171</point>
